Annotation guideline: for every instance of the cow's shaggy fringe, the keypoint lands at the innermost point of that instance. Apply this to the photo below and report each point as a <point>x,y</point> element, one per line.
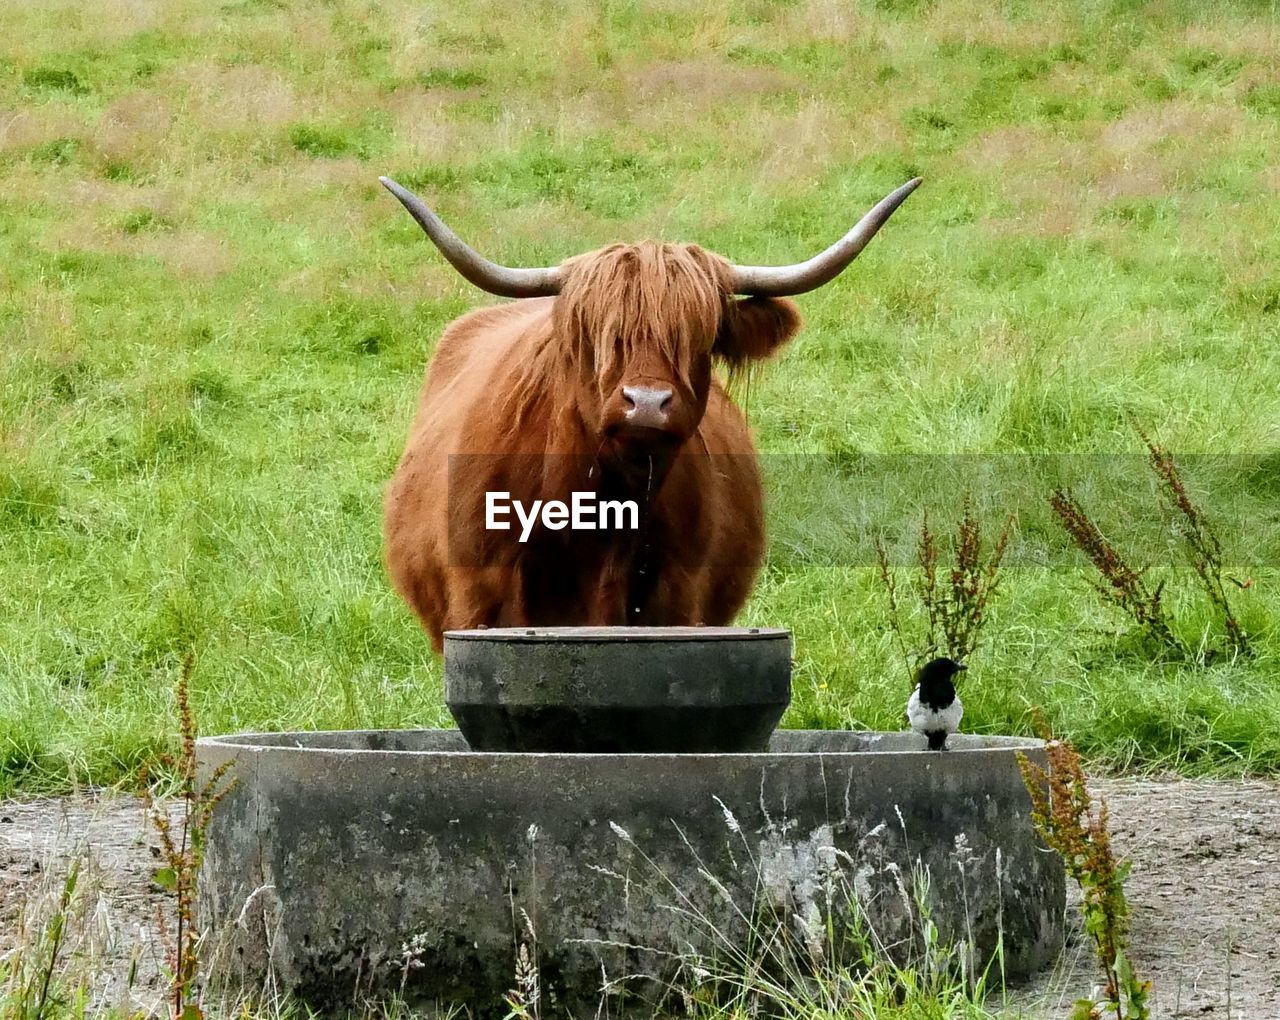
<point>620,302</point>
<point>630,302</point>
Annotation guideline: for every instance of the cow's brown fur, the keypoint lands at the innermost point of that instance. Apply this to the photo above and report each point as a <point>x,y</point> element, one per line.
<point>526,398</point>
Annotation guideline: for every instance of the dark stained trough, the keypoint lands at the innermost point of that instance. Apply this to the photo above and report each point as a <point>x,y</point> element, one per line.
<point>618,690</point>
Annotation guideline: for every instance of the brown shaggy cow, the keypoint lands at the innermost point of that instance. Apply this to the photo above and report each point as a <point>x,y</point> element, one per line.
<point>600,381</point>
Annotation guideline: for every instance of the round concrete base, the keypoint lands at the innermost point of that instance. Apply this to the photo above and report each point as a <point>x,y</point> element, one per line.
<point>611,690</point>
<point>348,864</point>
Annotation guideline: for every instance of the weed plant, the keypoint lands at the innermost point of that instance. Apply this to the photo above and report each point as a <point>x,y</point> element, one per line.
<point>1128,588</point>
<point>1120,583</point>
<point>1064,814</point>
<point>182,853</point>
<point>1204,550</point>
<point>955,605</point>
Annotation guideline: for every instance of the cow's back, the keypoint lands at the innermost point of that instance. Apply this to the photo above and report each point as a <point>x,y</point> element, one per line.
<point>473,352</point>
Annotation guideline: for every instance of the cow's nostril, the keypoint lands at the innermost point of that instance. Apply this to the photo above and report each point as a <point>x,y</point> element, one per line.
<point>647,407</point>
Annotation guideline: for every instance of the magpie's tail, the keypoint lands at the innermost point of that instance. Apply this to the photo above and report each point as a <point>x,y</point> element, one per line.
<point>937,740</point>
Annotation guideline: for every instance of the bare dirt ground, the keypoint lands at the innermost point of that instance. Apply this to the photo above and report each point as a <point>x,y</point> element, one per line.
<point>1205,900</point>
<point>116,927</point>
<point>1205,893</point>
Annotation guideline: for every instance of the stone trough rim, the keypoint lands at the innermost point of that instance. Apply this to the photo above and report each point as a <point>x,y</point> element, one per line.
<point>616,635</point>
<point>261,741</point>
<point>364,848</point>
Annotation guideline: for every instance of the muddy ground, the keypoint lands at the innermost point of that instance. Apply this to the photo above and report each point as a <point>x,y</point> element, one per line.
<point>1205,894</point>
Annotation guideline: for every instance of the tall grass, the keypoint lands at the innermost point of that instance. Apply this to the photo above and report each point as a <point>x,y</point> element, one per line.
<point>831,951</point>
<point>213,323</point>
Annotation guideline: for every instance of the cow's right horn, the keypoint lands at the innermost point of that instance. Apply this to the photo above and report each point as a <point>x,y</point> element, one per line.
<point>474,267</point>
<point>784,281</point>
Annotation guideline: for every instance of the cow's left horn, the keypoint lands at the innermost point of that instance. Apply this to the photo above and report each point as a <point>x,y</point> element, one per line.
<point>474,267</point>
<point>783,281</point>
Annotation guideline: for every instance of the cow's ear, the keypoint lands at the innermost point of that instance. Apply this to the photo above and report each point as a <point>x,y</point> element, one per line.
<point>755,328</point>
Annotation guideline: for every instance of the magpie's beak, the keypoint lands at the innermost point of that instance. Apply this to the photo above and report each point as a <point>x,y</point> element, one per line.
<point>960,666</point>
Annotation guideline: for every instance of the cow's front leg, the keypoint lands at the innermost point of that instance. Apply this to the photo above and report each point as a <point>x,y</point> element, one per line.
<point>606,602</point>
<point>672,602</point>
<point>480,598</point>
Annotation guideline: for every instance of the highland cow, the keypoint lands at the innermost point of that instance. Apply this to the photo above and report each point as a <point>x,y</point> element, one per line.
<point>601,379</point>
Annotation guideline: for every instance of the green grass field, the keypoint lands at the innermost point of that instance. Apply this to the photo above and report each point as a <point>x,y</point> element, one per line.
<point>213,322</point>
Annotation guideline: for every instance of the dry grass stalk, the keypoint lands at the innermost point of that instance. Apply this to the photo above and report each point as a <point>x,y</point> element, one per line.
<point>955,599</point>
<point>1121,584</point>
<point>182,850</point>
<point>523,1000</point>
<point>31,986</point>
<point>1203,548</point>
<point>1063,813</point>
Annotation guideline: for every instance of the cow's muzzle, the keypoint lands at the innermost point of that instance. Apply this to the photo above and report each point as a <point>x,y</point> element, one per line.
<point>646,407</point>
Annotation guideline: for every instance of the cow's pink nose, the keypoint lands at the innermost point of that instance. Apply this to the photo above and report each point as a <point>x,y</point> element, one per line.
<point>647,408</point>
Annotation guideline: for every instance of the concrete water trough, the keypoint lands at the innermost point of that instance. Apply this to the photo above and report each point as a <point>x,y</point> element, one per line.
<point>349,864</point>
<point>618,689</point>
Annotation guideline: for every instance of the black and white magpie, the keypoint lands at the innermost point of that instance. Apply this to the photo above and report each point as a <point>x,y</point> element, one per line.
<point>934,708</point>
